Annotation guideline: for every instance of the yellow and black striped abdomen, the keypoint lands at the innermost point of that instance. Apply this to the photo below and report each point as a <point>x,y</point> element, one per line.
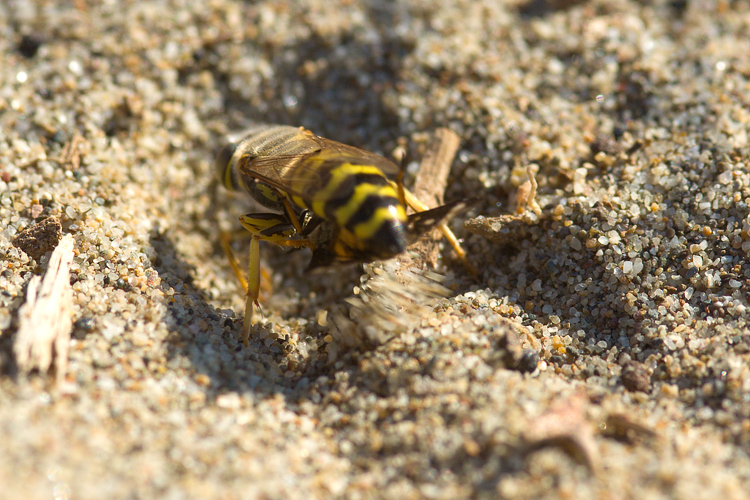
<point>360,201</point>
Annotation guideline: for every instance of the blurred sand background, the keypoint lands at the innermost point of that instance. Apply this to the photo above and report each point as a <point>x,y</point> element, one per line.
<point>602,352</point>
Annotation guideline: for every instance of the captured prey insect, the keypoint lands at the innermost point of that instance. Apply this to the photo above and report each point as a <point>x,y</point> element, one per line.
<point>332,198</point>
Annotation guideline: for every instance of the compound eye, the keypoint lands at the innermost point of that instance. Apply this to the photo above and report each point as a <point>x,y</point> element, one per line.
<point>223,159</point>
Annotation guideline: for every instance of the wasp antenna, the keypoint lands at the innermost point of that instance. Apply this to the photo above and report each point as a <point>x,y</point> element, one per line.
<point>400,176</point>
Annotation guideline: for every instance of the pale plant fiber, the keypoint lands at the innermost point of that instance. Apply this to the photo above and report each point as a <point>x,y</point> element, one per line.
<point>46,319</point>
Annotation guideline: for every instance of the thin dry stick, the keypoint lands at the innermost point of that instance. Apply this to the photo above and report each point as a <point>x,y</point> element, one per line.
<point>526,196</point>
<point>46,319</point>
<point>435,167</point>
<point>431,181</point>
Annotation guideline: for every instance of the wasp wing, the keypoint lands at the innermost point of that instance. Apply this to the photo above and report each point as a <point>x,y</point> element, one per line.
<point>357,156</point>
<point>271,170</point>
<point>421,222</point>
<point>305,174</point>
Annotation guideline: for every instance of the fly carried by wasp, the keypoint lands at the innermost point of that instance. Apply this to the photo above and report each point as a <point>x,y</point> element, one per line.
<point>327,196</point>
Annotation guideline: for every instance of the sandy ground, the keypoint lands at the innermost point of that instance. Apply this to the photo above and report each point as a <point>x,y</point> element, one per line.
<point>601,352</point>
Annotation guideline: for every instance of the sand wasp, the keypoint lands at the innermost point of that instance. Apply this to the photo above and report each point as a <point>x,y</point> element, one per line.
<point>330,197</point>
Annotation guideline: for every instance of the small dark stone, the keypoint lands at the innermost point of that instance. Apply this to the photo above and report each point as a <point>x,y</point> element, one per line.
<point>655,343</point>
<point>59,137</point>
<point>82,327</point>
<point>618,131</point>
<point>635,377</point>
<point>605,144</point>
<point>679,7</point>
<point>40,238</point>
<point>121,284</point>
<point>557,360</point>
<point>528,361</point>
<point>29,45</point>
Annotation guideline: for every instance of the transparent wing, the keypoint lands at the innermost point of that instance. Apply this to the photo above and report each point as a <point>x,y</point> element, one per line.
<point>421,222</point>
<point>303,172</point>
<point>359,156</point>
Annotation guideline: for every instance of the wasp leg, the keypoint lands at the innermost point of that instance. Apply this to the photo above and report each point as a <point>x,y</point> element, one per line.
<point>418,206</point>
<point>226,238</point>
<point>275,228</point>
<point>290,214</point>
<point>253,288</point>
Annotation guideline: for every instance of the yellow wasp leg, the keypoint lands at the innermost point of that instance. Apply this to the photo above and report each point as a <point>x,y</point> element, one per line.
<point>418,206</point>
<point>292,217</point>
<point>253,287</point>
<point>270,227</point>
<point>276,228</point>
<point>225,239</point>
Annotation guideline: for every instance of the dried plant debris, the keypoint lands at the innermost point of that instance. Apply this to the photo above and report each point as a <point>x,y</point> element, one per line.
<point>46,319</point>
<point>72,153</point>
<point>432,177</point>
<point>526,194</point>
<point>566,427</point>
<point>514,227</point>
<point>505,229</point>
<point>624,428</point>
<point>40,238</point>
<point>430,184</point>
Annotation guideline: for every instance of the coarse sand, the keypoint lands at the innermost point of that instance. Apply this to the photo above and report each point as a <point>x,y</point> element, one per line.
<point>601,352</point>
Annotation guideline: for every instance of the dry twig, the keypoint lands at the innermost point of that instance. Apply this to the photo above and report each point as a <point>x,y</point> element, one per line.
<point>46,319</point>
<point>526,195</point>
<point>566,427</point>
<point>430,184</point>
